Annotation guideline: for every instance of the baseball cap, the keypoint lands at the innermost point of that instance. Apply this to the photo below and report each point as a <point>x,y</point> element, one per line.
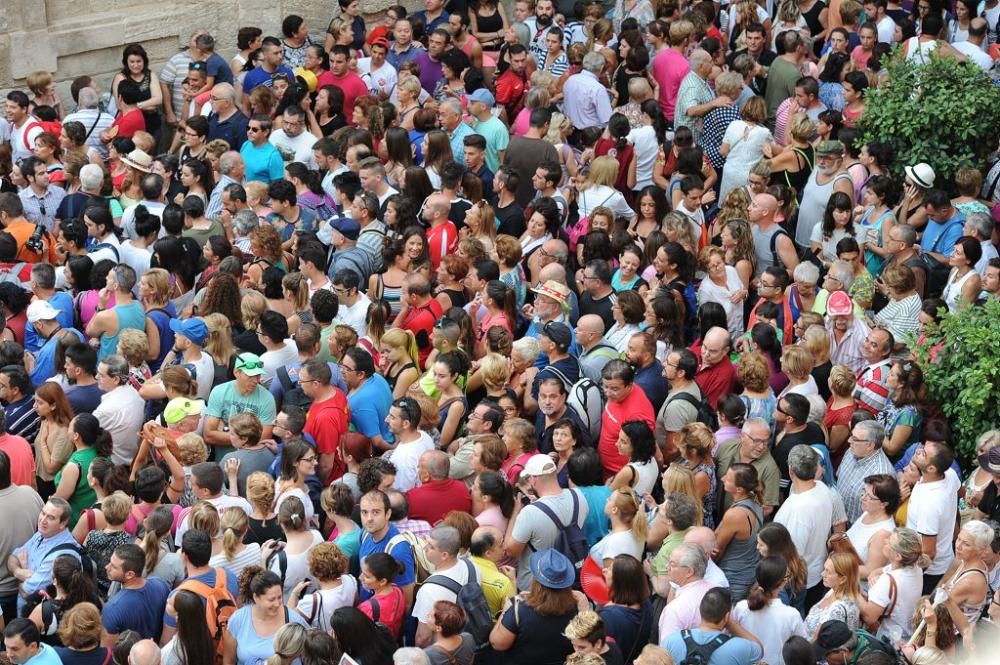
<point>559,333</point>
<point>828,148</point>
<point>180,408</point>
<point>832,635</point>
<point>483,96</point>
<point>349,228</point>
<point>539,465</point>
<point>839,304</point>
<point>194,329</point>
<point>250,364</point>
<point>42,310</point>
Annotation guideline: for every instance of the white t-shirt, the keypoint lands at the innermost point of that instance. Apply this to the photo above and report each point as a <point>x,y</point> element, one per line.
<point>23,146</point>
<point>295,148</point>
<point>646,147</point>
<point>382,80</point>
<point>429,594</point>
<point>286,355</point>
<point>772,625</point>
<point>829,246</point>
<point>355,315</point>
<point>886,30</point>
<point>709,291</point>
<point>909,582</point>
<point>808,517</point>
<point>406,458</point>
<point>975,54</point>
<point>615,543</point>
<point>329,600</point>
<point>297,565</point>
<point>932,513</point>
<point>137,258</point>
<point>204,369</point>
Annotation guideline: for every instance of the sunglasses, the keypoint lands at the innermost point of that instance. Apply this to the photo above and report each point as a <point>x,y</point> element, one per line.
<point>249,364</point>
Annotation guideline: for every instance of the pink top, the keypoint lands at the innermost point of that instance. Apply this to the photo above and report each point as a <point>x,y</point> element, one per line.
<point>513,466</point>
<point>492,516</point>
<point>521,122</point>
<point>683,613</point>
<point>669,69</point>
<point>491,320</point>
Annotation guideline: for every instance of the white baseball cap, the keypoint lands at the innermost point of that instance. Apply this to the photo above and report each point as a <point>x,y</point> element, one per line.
<point>41,310</point>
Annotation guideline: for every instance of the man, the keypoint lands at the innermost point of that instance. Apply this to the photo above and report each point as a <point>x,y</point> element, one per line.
<point>130,118</point>
<point>353,305</point>
<point>46,324</point>
<point>694,98</point>
<point>526,152</point>
<point>716,374</point>
<point>411,442</point>
<point>328,419</point>
<point>486,552</point>
<point>705,538</point>
<point>140,602</point>
<point>226,200</point>
<point>271,62</point>
<point>670,66</point>
<point>429,61</point>
<point>539,27</point>
<point>378,75</point>
<point>784,72</point>
<point>991,280</point>
<point>173,82</point>
<point>554,341</point>
<point>512,86</point>
<point>595,353</point>
<point>552,408</point>
<point>973,47</point>
<point>380,535</point>
<point>293,141</point>
<point>419,311</point>
<point>451,184</point>
<point>837,644</point>
<point>980,226</point>
<point>437,494</point>
<point>308,341</point>
<point>641,354</point>
<point>101,228</point>
<point>807,513</point>
<point>599,296</point>
<point>272,332</point>
<point>40,198</point>
<point>369,397</point>
<point>756,48</point>
<point>586,100</point>
<point>24,646</point>
<point>244,393</point>
<point>312,265</point>
<point>944,225</point>
<point>127,314</point>
<point>484,422</point>
<point>474,151</point>
<point>847,332</point>
<point>828,177</point>
<point>546,180</point>
<point>84,394</point>
<point>537,526</point>
<point>400,515</point>
<point>325,307</point>
<point>792,428</point>
<point>625,403</point>
<point>687,575</point>
<point>18,395</point>
<point>736,647</point>
<point>91,181</point>
<point>13,222</point>
<point>442,234</point>
<point>450,117</point>
<point>263,161</point>
<point>287,215</point>
<point>752,448</point>
<point>442,551</point>
<point>226,121</point>
<point>773,247</point>
<point>551,303</point>
<point>348,257</point>
<point>22,505</point>
<point>31,563</point>
<point>872,391</point>
<point>329,154</point>
<point>196,551</point>
<point>901,243</point>
<point>122,411</point>
<point>373,180</point>
<point>24,127</point>
<point>207,484</point>
<point>680,407</point>
<point>144,652</point>
<point>433,17</point>
<point>875,10</point>
<point>365,211</point>
<point>931,511</point>
<point>190,336</point>
<point>495,134</point>
<point>89,114</point>
<point>864,458</point>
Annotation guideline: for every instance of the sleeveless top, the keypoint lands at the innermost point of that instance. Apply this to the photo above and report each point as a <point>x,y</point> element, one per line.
<point>873,261</point>
<point>132,316</point>
<point>972,611</point>
<point>798,179</point>
<point>492,23</point>
<point>762,248</point>
<point>953,289</point>
<point>918,51</point>
<point>812,18</point>
<point>443,410</point>
<point>391,379</point>
<point>860,534</point>
<point>814,200</point>
<point>739,561</point>
<point>391,294</point>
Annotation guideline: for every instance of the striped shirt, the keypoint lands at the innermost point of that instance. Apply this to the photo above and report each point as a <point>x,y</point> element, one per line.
<point>557,67</point>
<point>871,393</point>
<point>851,478</point>
<point>22,419</point>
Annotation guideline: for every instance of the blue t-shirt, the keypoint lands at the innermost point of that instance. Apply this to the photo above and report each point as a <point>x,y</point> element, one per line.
<point>401,552</point>
<point>369,407</point>
<point>46,656</point>
<point>84,399</point>
<point>61,301</point>
<point>140,610</point>
<point>258,76</point>
<point>208,578</point>
<point>596,525</point>
<point>263,164</point>
<point>251,648</point>
<point>941,238</point>
<point>278,390</point>
<point>737,651</point>
<point>219,68</point>
<point>161,319</point>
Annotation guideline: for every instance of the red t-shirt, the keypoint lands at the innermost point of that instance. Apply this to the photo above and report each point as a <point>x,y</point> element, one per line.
<point>715,381</point>
<point>130,123</point>
<point>325,78</point>
<point>353,87</point>
<point>441,241</point>
<point>420,322</point>
<point>605,146</point>
<point>434,500</point>
<point>326,421</point>
<point>22,462</point>
<point>391,608</point>
<point>635,406</point>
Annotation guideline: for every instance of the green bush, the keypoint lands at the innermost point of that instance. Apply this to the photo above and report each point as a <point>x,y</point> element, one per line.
<point>944,112</point>
<point>965,375</point>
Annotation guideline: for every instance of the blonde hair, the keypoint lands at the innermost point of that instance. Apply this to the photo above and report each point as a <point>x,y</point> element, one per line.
<point>219,344</point>
<point>38,81</point>
<point>81,627</point>
<point>191,449</point>
<point>298,290</point>
<point>817,342</point>
<point>603,171</point>
<point>246,426</point>
<point>255,189</point>
<point>234,524</point>
<point>398,338</point>
<point>205,517</point>
<point>133,346</point>
<point>583,625</point>
<point>495,371</point>
<point>260,491</point>
<point>754,372</point>
<point>629,506</point>
<point>287,644</point>
<point>796,362</point>
<point>252,307</point>
<point>846,564</point>
<point>842,381</point>
<point>697,437</point>
<point>144,141</point>
<point>116,508</point>
<point>218,147</point>
<point>680,479</point>
<point>654,655</point>
<point>801,127</point>
<point>680,224</point>
<point>159,281</point>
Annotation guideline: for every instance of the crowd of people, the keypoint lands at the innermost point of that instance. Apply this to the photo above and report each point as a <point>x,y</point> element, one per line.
<point>546,332</point>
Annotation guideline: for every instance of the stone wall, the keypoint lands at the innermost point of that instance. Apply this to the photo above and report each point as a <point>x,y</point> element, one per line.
<point>75,37</point>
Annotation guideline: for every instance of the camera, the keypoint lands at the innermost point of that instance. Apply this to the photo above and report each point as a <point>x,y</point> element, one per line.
<point>34,243</point>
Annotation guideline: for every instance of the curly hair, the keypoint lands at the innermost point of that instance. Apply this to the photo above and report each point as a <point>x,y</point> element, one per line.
<point>222,296</point>
<point>266,242</point>
<point>327,562</point>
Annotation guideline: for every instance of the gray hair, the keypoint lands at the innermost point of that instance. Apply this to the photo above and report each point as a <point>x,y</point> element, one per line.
<point>523,33</point>
<point>145,652</point>
<point>413,655</point>
<point>537,98</point>
<point>63,505</point>
<point>729,84</point>
<point>91,176</point>
<point>907,234</point>
<point>758,423</point>
<point>446,539</point>
<point>981,532</point>
<point>873,430</point>
<point>908,545</point>
<point>594,62</point>
<point>843,273</point>
<point>692,556</point>
<point>453,104</point>
<point>88,98</point>
<point>229,161</point>
<point>982,224</point>
<point>224,91</point>
<point>527,348</point>
<point>117,367</point>
<point>681,510</point>
<point>802,462</point>
<point>245,221</point>
<point>438,464</point>
<point>806,271</point>
<point>698,57</point>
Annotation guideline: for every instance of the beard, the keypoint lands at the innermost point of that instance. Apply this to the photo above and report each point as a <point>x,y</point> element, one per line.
<point>544,21</point>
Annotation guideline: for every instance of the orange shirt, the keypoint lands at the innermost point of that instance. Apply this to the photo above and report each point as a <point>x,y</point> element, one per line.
<point>22,229</point>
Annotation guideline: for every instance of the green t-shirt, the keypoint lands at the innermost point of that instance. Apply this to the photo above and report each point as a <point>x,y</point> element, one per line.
<point>226,401</point>
<point>84,495</point>
<point>662,557</point>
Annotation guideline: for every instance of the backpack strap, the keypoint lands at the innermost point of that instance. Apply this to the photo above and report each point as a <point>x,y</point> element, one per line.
<point>548,512</point>
<point>221,579</point>
<point>450,584</point>
<point>774,247</point>
<point>284,379</point>
<point>107,656</point>
<point>686,397</point>
<point>47,615</point>
<point>559,375</point>
<point>376,609</point>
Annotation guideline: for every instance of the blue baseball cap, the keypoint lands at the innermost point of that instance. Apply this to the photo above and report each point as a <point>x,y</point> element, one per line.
<point>483,96</point>
<point>349,228</point>
<point>194,329</point>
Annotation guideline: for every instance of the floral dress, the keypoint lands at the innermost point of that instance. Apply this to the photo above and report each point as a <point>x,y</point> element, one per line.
<point>906,415</point>
<point>707,501</point>
<point>841,610</point>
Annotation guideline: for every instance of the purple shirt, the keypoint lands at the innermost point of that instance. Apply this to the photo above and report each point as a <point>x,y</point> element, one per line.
<point>430,71</point>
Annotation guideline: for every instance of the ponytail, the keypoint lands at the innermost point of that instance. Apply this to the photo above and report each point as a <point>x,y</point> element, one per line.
<point>234,526</point>
<point>158,524</point>
<point>771,572</point>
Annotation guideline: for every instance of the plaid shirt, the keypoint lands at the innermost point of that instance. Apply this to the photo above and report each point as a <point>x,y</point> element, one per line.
<point>419,528</point>
<point>716,123</point>
<point>851,478</point>
<point>871,393</point>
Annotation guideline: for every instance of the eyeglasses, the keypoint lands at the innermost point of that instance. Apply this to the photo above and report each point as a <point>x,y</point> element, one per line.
<point>308,458</point>
<point>345,368</point>
<point>251,128</point>
<point>757,442</point>
<point>854,439</point>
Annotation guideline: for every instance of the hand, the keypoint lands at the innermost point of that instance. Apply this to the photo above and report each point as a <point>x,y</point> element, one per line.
<point>738,296</point>
<point>103,296</point>
<point>529,310</point>
<point>272,545</point>
<point>226,217</point>
<point>904,489</point>
<point>647,567</point>
<point>159,442</point>
<point>723,100</point>
<point>708,197</point>
<point>232,467</point>
<point>298,589</point>
<point>975,499</point>
<point>509,572</point>
<point>928,614</point>
<point>22,559</point>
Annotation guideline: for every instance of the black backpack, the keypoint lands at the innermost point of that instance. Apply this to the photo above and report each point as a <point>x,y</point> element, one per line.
<point>937,272</point>
<point>478,618</point>
<point>88,565</point>
<point>706,414</point>
<point>293,394</point>
<point>701,654</point>
<point>571,541</point>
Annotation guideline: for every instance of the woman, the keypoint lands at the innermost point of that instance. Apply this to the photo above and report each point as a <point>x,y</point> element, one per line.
<point>764,614</point>
<point>599,189</point>
<point>732,415</point>
<point>408,92</point>
<point>290,558</point>
<point>100,543</point>
<point>840,407</point>
<point>774,540</point>
<point>338,503</point>
<point>542,222</point>
<point>964,283</point>
<point>89,441</point>
<point>193,643</point>
<point>52,443</point>
<point>501,311</point>
<point>723,286</point>
<point>298,462</point>
<point>360,638</point>
<point>135,66</point>
<point>842,601</point>
<point>754,375</point>
<point>521,442</point>
<point>49,150</point>
<point>903,415</point>
<point>958,27</point>
<point>636,442</point>
<point>652,208</point>
<point>72,586</point>
<point>627,276</point>
<point>400,361</point>
<point>797,364</point>
<point>628,617</point>
<point>870,532</point>
<point>195,140</point>
<point>628,310</point>
<point>737,241</point>
<point>737,531</point>
<point>387,603</point>
<point>480,223</point>
<point>743,144</point>
<point>265,244</point>
<point>831,87</point>
<point>157,546</point>
<point>263,520</point>
<point>531,629</point>
<point>488,22</point>
<point>855,84</point>
<point>875,222</point>
<point>628,528</point>
<point>251,629</point>
<point>451,645</point>
<point>967,580</point>
<point>492,496</point>
<point>82,634</point>
<point>329,109</point>
<point>388,284</point>
<point>978,480</point>
<point>234,553</point>
<point>448,369</point>
<point>451,85</point>
<point>328,568</point>
<point>695,447</point>
<point>837,224</point>
<point>450,276</point>
<point>566,436</point>
<point>437,152</point>
<point>792,164</point>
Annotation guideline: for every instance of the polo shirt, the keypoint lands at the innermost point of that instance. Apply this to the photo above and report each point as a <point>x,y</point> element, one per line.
<point>232,130</point>
<point>439,21</point>
<point>263,163</point>
<point>684,611</point>
<point>715,381</point>
<point>401,551</point>
<point>767,472</point>
<point>353,87</point>
<point>497,587</point>
<point>435,499</point>
<point>635,406</point>
<point>325,422</point>
<point>22,419</point>
<point>46,656</point>
<point>397,58</point>
<point>941,238</point>
<point>871,392</point>
<point>38,549</point>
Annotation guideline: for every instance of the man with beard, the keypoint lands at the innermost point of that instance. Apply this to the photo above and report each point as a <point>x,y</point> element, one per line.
<point>828,177</point>
<point>545,12</point>
<point>552,408</point>
<point>931,511</point>
<point>429,61</point>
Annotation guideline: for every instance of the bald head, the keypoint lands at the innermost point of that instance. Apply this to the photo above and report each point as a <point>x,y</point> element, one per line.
<point>486,541</point>
<point>591,323</point>
<point>231,164</point>
<point>435,464</point>
<point>703,537</point>
<point>555,272</point>
<point>555,251</point>
<point>762,208</point>
<point>437,205</point>
<point>715,346</point>
<point>144,652</point>
<point>417,285</point>
<point>977,30</point>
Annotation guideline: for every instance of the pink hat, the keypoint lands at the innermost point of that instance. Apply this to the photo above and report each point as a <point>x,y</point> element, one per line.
<point>839,304</point>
